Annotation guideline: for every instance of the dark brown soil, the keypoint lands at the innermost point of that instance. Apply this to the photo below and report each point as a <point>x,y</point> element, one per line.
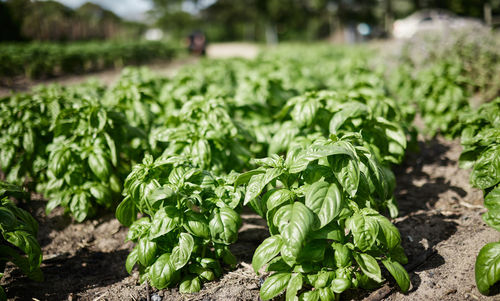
<point>440,224</point>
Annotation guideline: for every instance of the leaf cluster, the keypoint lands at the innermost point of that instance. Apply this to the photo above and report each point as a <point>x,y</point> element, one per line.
<point>326,234</point>
<point>189,218</point>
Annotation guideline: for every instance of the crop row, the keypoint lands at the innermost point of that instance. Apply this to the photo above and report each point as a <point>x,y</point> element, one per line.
<point>305,137</point>
<point>36,60</point>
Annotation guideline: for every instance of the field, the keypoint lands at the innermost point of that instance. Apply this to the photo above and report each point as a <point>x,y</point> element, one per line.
<point>317,140</point>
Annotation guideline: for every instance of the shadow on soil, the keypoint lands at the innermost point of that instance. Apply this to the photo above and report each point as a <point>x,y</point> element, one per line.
<point>423,228</point>
<point>65,275</point>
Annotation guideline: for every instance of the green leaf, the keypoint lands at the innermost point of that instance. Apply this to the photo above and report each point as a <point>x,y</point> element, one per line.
<point>138,229</point>
<point>340,285</point>
<point>324,278</point>
<point>310,296</point>
<point>224,224</point>
<point>162,273</point>
<point>296,231</point>
<point>99,165</point>
<point>303,112</point>
<point>28,244</point>
<point>315,152</point>
<point>274,285</point>
<point>294,286</point>
<point>259,181</point>
<point>277,197</point>
<point>190,284</point>
<point>266,251</point>
<point>364,230</point>
<point>146,251</point>
<point>486,172</point>
<point>58,162</point>
<point>331,231</point>
<point>398,254</point>
<point>325,200</point>
<point>196,224</point>
<point>346,171</point>
<point>246,176</point>
<point>80,206</point>
<point>101,193</point>
<point>126,212</point>
<point>132,259</point>
<point>492,203</point>
<point>369,266</point>
<point>165,220</point>
<point>347,110</point>
<point>326,294</point>
<point>399,273</point>
<point>112,149</point>
<point>487,268</point>
<point>29,141</point>
<point>182,252</point>
<point>313,251</point>
<point>389,235</point>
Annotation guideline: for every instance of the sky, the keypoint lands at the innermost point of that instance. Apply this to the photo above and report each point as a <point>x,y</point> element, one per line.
<point>128,9</point>
<point>131,9</point>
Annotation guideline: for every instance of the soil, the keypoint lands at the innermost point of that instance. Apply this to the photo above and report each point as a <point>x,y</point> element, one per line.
<point>440,224</point>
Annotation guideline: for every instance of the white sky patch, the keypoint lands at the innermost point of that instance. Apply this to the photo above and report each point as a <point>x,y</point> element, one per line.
<point>128,9</point>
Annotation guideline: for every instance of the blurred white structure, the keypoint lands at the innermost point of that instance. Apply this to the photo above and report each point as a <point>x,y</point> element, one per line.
<point>153,34</point>
<point>429,20</point>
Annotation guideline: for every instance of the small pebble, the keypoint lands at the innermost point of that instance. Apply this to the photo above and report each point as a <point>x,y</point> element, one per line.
<point>155,297</point>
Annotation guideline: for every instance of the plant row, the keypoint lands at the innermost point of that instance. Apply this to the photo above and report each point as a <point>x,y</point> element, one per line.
<point>446,81</point>
<point>37,60</point>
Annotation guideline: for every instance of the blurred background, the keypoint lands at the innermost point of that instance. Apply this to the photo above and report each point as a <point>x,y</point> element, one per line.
<point>266,21</point>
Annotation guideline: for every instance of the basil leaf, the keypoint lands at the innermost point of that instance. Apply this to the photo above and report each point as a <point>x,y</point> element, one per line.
<point>295,232</point>
<point>224,224</point>
<point>399,273</point>
<point>347,172</point>
<point>146,252</point>
<point>364,230</point>
<point>190,284</point>
<point>259,181</point>
<point>182,252</point>
<point>294,286</point>
<point>266,251</point>
<point>487,267</point>
<point>325,200</point>
<point>99,165</point>
<point>132,259</point>
<point>162,273</point>
<point>369,266</point>
<point>274,285</point>
<point>126,212</point>
<point>196,224</point>
<point>165,220</point>
<point>277,197</point>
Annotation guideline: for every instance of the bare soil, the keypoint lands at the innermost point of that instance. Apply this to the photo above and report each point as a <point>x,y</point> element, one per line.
<point>440,224</point>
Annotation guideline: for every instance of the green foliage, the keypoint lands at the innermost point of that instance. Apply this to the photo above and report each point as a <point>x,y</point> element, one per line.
<point>37,59</point>
<point>325,234</point>
<point>206,127</point>
<point>481,152</point>
<point>88,159</point>
<point>18,236</point>
<point>441,97</point>
<point>189,220</point>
